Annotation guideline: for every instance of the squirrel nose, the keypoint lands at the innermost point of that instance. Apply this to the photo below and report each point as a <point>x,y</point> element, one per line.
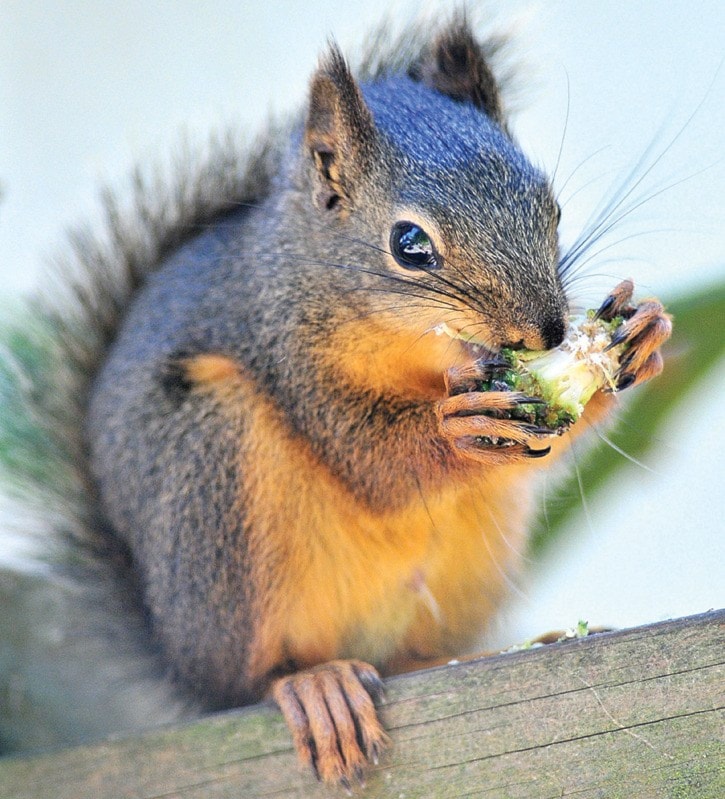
<point>553,332</point>
<point>546,337</point>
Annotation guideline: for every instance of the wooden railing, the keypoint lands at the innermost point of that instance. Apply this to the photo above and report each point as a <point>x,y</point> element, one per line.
<point>630,714</point>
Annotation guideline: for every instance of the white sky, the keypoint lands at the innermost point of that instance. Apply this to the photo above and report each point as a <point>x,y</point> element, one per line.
<point>87,88</point>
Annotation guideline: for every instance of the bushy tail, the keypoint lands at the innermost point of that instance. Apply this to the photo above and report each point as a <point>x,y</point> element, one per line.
<point>76,661</point>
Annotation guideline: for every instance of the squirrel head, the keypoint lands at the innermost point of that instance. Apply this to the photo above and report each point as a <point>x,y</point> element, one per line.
<point>413,186</point>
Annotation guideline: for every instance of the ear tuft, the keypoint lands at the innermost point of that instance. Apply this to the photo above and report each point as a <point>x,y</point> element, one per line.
<point>339,131</point>
<point>455,65</point>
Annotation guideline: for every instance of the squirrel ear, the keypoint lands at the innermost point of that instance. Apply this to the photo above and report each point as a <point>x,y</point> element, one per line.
<point>456,66</point>
<point>339,131</point>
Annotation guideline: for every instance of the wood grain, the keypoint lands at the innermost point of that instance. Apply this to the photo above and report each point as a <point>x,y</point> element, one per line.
<point>636,713</point>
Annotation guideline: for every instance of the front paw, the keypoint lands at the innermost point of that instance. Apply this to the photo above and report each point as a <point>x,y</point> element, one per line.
<point>330,712</point>
<point>644,329</point>
<point>477,424</point>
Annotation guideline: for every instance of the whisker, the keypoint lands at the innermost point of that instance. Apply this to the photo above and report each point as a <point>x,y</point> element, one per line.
<point>564,130</point>
<point>608,225</point>
<point>575,170</point>
<point>469,294</point>
<point>521,557</point>
<point>616,208</point>
<point>580,483</point>
<point>412,311</point>
<point>572,269</point>
<point>504,575</point>
<point>608,441</point>
<point>425,300</point>
<point>463,297</point>
<point>380,274</point>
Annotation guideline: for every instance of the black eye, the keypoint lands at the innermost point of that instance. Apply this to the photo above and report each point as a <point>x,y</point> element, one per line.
<point>412,248</point>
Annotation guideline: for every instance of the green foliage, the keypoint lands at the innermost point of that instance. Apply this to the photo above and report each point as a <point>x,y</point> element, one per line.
<point>32,451</point>
<point>696,346</point>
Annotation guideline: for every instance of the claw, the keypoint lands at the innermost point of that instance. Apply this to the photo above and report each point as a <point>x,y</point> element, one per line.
<point>535,430</point>
<point>626,360</point>
<point>371,681</point>
<point>616,301</point>
<point>494,365</point>
<point>604,307</point>
<point>619,336</point>
<point>524,400</point>
<point>536,453</point>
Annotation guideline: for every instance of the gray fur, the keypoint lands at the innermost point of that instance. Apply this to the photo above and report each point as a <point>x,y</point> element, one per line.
<point>82,666</point>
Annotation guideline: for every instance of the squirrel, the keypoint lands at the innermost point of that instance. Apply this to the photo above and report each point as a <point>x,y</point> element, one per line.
<point>296,487</point>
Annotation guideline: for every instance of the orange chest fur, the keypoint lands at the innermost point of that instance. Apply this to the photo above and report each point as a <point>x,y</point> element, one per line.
<point>334,579</point>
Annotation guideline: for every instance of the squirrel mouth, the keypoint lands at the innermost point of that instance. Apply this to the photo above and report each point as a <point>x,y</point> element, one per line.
<point>474,346</point>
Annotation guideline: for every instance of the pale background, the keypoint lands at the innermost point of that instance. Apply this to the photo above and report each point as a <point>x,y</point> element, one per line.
<point>88,88</point>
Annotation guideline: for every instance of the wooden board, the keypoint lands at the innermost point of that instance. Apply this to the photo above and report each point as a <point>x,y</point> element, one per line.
<point>636,713</point>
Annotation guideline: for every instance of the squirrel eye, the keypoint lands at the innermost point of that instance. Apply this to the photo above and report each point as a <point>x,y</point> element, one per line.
<point>412,248</point>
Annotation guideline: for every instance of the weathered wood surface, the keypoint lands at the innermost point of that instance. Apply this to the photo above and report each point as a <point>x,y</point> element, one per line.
<point>637,713</point>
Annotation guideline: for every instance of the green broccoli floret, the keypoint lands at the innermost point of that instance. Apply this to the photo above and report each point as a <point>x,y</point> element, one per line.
<point>565,378</point>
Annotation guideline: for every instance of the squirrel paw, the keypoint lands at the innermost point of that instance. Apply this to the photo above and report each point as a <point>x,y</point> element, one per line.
<point>472,421</point>
<point>330,712</point>
<point>644,330</point>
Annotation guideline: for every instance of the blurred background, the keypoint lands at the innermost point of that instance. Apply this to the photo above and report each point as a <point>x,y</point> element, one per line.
<point>608,95</point>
